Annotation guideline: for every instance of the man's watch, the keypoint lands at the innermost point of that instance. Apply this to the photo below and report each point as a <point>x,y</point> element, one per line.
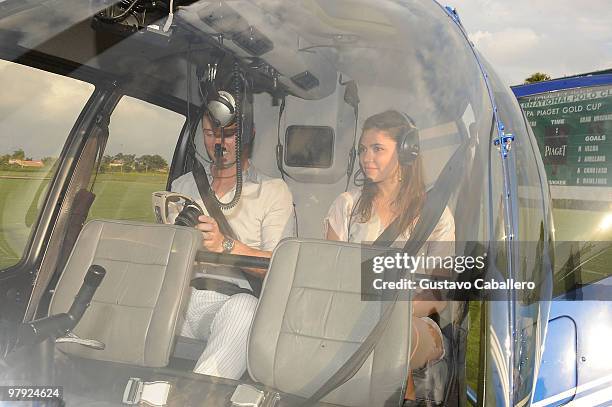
<point>228,245</point>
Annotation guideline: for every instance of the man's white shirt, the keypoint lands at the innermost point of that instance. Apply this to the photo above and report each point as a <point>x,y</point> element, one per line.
<point>264,213</point>
<point>262,217</point>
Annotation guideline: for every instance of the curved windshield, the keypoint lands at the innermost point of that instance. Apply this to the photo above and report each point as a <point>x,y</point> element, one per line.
<point>333,201</point>
<point>30,147</point>
<point>531,260</point>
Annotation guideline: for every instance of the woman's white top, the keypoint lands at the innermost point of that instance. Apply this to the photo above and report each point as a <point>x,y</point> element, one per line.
<point>342,212</point>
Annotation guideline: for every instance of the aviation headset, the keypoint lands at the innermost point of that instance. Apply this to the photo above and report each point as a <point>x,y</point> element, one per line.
<point>408,149</point>
<point>222,107</point>
<point>408,146</point>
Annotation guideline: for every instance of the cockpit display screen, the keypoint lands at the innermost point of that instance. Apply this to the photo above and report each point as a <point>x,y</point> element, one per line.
<point>309,146</point>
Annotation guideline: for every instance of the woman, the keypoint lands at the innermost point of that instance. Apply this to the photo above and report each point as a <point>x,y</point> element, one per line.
<point>393,190</point>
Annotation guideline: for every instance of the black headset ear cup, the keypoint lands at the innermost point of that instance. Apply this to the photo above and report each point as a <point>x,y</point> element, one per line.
<point>408,147</point>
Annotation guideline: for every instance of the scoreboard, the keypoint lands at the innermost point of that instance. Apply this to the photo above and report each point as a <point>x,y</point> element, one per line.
<point>573,130</point>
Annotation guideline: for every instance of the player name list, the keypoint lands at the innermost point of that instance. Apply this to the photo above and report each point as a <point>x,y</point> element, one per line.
<point>572,128</point>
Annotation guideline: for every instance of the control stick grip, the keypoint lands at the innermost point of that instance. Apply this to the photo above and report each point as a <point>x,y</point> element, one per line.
<point>92,281</point>
<point>59,324</point>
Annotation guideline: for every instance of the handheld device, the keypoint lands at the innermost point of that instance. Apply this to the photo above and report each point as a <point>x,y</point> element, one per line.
<point>165,204</point>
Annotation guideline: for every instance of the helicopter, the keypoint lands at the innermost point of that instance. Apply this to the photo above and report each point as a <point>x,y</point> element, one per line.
<point>95,277</point>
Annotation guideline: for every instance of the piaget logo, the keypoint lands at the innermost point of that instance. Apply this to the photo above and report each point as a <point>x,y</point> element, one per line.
<point>555,151</point>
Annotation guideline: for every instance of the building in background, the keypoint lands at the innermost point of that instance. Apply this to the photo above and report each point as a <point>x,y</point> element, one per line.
<point>27,163</point>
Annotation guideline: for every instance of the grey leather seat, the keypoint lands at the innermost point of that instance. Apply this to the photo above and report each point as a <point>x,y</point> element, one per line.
<point>136,309</point>
<point>311,318</point>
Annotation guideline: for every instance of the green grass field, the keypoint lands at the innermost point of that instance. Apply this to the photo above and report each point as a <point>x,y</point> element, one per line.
<point>19,193</point>
<point>473,346</point>
<point>125,196</point>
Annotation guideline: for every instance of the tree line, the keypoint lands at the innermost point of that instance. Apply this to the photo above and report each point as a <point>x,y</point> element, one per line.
<point>20,155</point>
<point>110,163</point>
<point>129,162</point>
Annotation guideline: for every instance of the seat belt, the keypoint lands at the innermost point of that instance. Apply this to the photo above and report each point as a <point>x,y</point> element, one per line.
<point>388,236</point>
<point>212,207</point>
<point>220,286</point>
<point>433,208</point>
<point>203,283</point>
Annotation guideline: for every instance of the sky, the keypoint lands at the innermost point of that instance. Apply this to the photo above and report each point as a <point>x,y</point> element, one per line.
<point>518,37</point>
<point>557,37</point>
<point>38,110</point>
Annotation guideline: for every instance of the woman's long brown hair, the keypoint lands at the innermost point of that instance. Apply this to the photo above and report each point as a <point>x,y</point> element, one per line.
<point>411,195</point>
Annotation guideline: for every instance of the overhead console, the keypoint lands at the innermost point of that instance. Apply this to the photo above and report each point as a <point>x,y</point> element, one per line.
<point>270,47</point>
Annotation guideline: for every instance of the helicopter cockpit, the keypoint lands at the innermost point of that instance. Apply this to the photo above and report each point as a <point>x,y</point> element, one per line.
<point>289,90</point>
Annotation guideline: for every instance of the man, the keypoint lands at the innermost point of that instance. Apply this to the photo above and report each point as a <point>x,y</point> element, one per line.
<point>262,217</point>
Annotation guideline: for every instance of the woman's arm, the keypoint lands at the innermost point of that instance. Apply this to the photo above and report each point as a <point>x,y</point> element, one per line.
<point>331,233</point>
<point>426,308</point>
<point>441,243</point>
<point>334,223</point>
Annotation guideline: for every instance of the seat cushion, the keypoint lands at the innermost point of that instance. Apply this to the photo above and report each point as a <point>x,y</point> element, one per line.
<point>135,310</point>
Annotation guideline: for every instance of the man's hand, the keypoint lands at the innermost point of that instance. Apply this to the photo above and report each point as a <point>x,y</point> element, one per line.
<point>213,241</point>
<point>213,238</point>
